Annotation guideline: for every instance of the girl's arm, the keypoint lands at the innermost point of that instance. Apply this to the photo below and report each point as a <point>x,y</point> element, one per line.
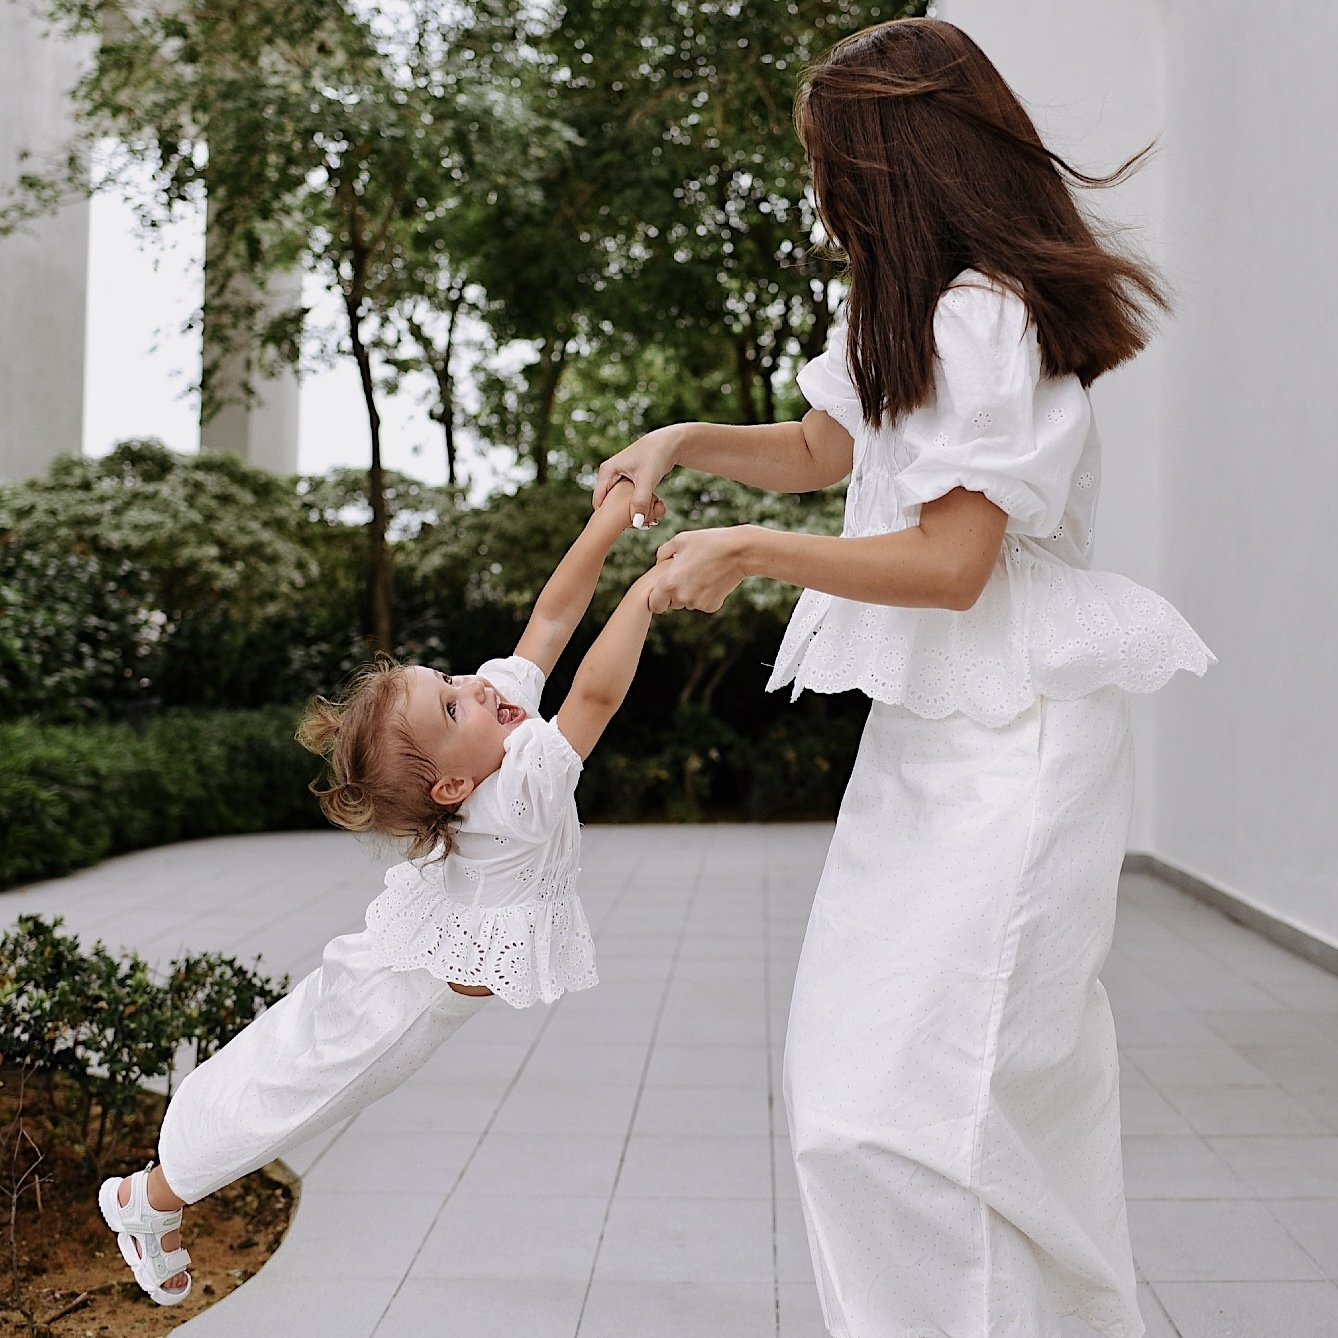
<point>782,457</point>
<point>567,593</point>
<point>609,666</point>
<point>943,562</point>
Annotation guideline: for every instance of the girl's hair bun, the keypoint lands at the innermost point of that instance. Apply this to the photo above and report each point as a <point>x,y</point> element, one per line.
<point>377,780</point>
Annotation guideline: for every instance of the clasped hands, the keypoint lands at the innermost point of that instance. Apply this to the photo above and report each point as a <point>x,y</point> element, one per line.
<point>696,569</point>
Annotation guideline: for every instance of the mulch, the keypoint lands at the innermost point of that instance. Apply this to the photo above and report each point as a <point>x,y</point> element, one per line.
<point>61,1274</point>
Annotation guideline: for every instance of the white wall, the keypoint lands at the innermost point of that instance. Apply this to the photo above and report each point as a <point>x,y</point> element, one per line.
<point>1221,459</point>
<point>1248,759</point>
<point>42,271</point>
<point>1091,75</point>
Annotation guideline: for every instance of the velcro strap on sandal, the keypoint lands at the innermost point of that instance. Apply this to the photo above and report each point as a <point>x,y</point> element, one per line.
<point>176,1261</point>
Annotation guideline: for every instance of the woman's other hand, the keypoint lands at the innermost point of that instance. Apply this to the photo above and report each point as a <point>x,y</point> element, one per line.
<point>644,463</point>
<point>617,505</point>
<point>699,568</point>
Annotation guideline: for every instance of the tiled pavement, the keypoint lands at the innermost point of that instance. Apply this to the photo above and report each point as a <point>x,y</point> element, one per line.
<point>617,1166</point>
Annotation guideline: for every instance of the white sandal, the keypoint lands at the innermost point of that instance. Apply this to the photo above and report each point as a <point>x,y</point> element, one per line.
<point>139,1230</point>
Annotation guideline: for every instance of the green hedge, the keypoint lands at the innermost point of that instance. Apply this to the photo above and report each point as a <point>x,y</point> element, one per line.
<point>73,794</point>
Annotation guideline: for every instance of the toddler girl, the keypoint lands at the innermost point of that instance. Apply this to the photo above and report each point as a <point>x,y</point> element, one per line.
<point>481,789</point>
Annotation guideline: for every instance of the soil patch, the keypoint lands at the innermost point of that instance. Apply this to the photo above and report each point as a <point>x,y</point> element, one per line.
<point>65,1252</point>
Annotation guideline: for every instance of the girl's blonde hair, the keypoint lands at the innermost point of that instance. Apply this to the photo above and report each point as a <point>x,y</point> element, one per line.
<point>379,780</point>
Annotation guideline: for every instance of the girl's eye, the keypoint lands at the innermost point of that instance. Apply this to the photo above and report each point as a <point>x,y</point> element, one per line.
<point>450,709</point>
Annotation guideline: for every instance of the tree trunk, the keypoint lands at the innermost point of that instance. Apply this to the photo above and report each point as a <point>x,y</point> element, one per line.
<point>768,392</point>
<point>448,427</point>
<point>816,340</point>
<point>744,364</point>
<point>446,387</point>
<point>380,582</point>
<point>554,356</point>
<point>721,669</point>
<point>700,663</point>
<point>439,361</point>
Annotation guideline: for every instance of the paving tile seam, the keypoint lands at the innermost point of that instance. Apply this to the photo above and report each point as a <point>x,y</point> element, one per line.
<point>771,1095</point>
<point>1161,1305</point>
<point>641,1086</point>
<point>550,1014</point>
<point>1168,924</point>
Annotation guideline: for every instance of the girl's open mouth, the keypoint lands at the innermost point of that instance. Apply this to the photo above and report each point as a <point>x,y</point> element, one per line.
<point>508,714</point>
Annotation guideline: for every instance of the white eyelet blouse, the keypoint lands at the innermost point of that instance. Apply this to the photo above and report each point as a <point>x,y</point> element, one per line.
<point>501,910</point>
<point>1045,625</point>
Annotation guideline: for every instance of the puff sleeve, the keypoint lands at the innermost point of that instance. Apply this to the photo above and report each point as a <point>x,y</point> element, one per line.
<point>825,383</point>
<point>537,780</point>
<point>520,681</point>
<point>994,425</point>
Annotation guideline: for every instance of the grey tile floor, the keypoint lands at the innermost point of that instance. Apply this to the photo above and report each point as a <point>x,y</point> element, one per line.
<point>617,1166</point>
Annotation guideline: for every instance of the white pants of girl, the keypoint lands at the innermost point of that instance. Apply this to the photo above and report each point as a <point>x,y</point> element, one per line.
<point>348,1034</point>
<point>951,1074</point>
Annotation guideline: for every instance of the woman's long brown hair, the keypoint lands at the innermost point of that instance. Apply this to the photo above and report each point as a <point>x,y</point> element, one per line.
<point>925,164</point>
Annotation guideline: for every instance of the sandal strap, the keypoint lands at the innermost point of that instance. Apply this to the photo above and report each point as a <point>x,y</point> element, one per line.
<point>140,1217</point>
<point>158,1265</point>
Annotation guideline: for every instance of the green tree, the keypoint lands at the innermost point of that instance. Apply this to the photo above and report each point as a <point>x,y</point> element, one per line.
<point>667,266</point>
<point>320,136</point>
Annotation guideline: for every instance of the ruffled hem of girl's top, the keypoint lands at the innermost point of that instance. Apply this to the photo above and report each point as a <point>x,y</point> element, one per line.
<point>1043,629</point>
<point>531,952</point>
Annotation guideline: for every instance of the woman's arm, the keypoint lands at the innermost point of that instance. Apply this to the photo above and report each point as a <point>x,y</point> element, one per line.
<point>568,591</point>
<point>609,666</point>
<point>943,562</point>
<point>783,457</point>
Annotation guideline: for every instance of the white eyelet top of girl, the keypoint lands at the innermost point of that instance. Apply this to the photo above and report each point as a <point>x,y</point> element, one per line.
<point>1045,625</point>
<point>501,910</point>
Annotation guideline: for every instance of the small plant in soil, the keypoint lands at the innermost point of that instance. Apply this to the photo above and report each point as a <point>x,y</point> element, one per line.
<point>90,1047</point>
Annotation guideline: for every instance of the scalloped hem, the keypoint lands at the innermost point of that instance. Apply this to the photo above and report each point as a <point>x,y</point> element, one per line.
<point>534,952</point>
<point>1044,629</point>
<point>941,711</point>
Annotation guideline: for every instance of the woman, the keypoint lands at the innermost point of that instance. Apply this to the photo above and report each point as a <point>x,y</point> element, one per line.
<point>951,1073</point>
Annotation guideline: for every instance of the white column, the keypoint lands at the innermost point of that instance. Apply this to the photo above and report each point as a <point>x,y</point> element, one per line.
<point>44,269</point>
<point>261,427</point>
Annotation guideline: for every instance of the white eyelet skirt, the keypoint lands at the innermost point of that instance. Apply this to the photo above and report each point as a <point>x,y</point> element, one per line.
<point>950,1068</point>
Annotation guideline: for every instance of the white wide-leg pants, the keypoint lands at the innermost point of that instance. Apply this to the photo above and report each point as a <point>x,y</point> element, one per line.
<point>950,1069</point>
<point>348,1034</point>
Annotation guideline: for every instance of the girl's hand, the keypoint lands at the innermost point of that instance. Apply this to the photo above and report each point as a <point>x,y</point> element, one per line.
<point>644,463</point>
<point>699,568</point>
<point>616,504</point>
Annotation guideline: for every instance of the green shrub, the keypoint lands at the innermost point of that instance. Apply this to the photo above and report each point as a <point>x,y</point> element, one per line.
<point>72,794</point>
<point>703,768</point>
<point>94,1028</point>
<point>800,767</point>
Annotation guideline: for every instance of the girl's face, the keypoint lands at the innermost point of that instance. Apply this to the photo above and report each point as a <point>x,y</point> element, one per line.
<point>461,723</point>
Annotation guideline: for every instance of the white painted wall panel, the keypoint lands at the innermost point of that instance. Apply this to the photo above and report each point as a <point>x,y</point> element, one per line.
<point>1249,758</point>
<point>43,271</point>
<point>1220,441</point>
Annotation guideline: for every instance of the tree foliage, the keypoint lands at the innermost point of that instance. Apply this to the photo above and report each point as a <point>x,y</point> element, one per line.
<point>320,135</point>
<point>664,266</point>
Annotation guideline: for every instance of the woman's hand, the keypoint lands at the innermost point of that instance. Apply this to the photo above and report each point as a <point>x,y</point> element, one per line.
<point>645,462</point>
<point>699,568</point>
<point>616,507</point>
